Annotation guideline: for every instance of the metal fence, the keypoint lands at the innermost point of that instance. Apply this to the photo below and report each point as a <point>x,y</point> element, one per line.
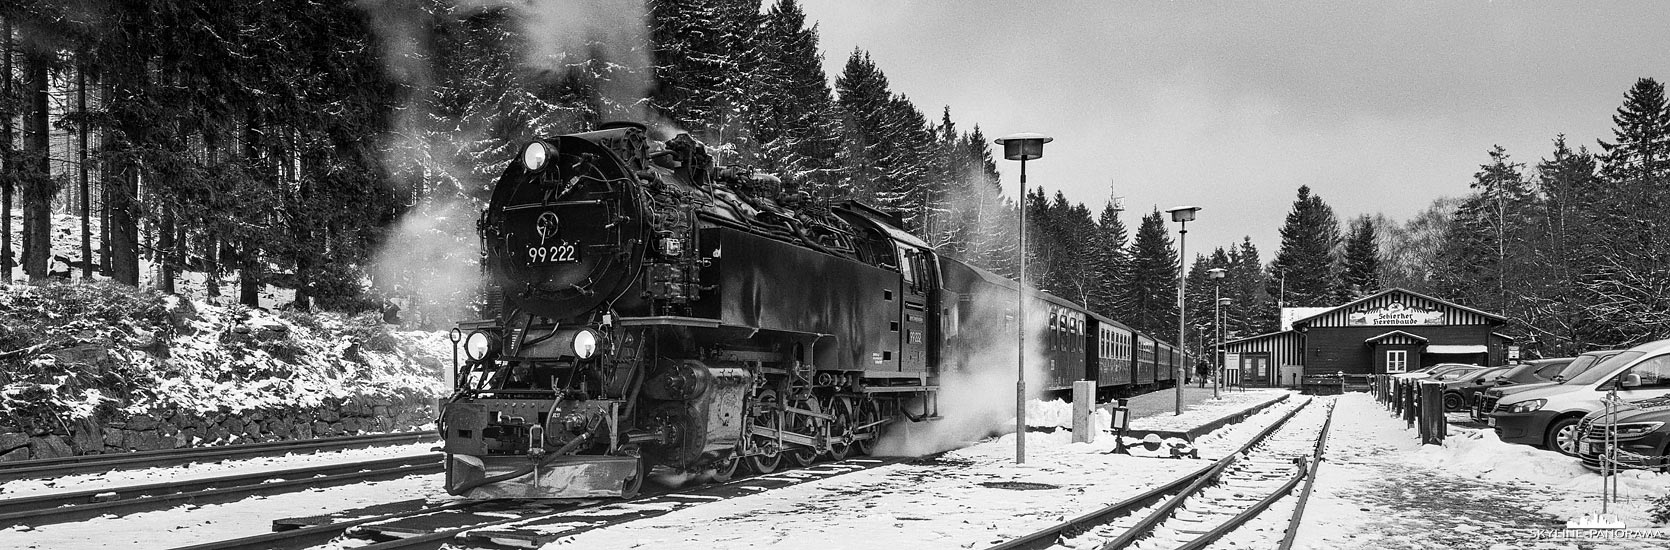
<point>1419,402</point>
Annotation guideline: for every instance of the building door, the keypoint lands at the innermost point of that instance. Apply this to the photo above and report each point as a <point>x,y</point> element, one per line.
<point>1256,368</point>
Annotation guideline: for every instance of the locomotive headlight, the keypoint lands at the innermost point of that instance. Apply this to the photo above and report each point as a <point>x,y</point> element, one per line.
<point>585,343</point>
<point>479,344</point>
<point>535,155</point>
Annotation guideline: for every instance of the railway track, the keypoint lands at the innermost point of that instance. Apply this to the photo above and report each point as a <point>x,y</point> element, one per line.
<point>80,505</point>
<point>1201,507</point>
<point>419,524</point>
<point>55,467</point>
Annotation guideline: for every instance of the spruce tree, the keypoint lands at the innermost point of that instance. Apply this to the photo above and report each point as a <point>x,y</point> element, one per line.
<point>1152,290</point>
<point>793,117</point>
<point>1360,265</point>
<point>1304,266</point>
<point>1641,133</point>
<point>1111,261</point>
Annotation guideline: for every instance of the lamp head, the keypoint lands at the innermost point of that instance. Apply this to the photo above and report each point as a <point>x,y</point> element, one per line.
<point>1023,146</point>
<point>1215,273</point>
<point>1183,213</point>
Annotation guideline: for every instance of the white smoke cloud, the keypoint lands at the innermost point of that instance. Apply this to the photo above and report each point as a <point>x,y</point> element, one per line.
<point>430,256</point>
<point>977,391</point>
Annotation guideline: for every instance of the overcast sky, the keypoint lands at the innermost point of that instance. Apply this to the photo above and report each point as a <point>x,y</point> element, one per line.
<point>1231,106</point>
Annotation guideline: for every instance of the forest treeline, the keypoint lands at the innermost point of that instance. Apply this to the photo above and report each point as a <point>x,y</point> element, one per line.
<point>288,142</point>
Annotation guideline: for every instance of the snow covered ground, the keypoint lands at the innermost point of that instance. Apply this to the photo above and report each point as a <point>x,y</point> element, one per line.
<point>1378,488</point>
<point>194,524</point>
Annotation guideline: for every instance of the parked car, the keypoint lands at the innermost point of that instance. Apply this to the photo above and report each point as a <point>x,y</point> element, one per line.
<point>1548,416</point>
<point>1434,370</point>
<point>1487,399</point>
<point>1459,391</point>
<point>1640,431</point>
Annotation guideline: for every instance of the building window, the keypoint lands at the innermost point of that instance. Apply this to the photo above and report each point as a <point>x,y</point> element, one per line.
<point>1397,360</point>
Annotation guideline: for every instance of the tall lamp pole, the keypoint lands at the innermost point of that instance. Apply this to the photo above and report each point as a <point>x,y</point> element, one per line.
<point>1217,276</point>
<point>1022,147</point>
<point>1182,215</point>
<point>1223,318</point>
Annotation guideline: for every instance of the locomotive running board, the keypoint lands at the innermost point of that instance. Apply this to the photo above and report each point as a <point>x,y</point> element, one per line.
<point>897,389</point>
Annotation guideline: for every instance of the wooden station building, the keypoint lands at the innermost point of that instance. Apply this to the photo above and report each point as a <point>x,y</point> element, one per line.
<point>1391,331</point>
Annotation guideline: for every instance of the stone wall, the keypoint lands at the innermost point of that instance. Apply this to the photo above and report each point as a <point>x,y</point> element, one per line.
<point>177,429</point>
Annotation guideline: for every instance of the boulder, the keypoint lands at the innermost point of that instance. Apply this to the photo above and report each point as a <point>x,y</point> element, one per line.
<point>181,312</point>
<point>83,354</point>
<point>328,415</point>
<point>50,446</point>
<point>321,428</point>
<point>303,430</point>
<point>115,437</point>
<point>351,425</point>
<point>86,434</point>
<point>148,440</point>
<point>14,455</point>
<point>10,442</point>
<point>141,422</point>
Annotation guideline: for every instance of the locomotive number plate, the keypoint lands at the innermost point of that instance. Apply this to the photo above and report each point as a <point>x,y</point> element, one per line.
<point>562,252</point>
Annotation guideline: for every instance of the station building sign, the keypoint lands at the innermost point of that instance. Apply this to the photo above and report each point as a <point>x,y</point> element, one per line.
<point>1395,313</point>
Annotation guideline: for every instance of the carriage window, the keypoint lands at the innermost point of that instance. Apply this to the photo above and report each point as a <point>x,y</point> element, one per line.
<point>1054,331</point>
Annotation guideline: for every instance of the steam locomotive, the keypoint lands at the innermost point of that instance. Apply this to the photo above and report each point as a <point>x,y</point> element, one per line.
<point>647,308</point>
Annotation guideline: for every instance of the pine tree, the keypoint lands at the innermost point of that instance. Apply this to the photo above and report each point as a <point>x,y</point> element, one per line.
<point>1641,149</point>
<point>1251,311</point>
<point>1567,182</point>
<point>701,54</point>
<point>888,143</point>
<point>1152,290</point>
<point>1305,263</point>
<point>1111,261</point>
<point>1626,230</point>
<point>793,117</point>
<point>1360,265</point>
<point>1483,250</point>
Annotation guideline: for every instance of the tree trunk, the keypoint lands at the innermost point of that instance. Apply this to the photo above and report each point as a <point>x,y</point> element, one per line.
<point>123,245</point>
<point>244,256</point>
<point>8,168</point>
<point>81,155</point>
<point>166,264</point>
<point>37,180</point>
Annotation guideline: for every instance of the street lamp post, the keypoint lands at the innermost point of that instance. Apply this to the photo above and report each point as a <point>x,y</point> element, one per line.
<point>1217,276</point>
<point>1182,215</point>
<point>1022,147</point>
<point>1223,334</point>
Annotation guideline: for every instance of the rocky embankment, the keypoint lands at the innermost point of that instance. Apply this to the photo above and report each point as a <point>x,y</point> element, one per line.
<point>99,368</point>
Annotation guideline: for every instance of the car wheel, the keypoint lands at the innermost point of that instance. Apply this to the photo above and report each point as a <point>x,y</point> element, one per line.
<point>1454,402</point>
<point>1562,436</point>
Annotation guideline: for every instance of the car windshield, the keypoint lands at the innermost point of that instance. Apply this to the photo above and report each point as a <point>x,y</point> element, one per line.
<point>1605,368</point>
<point>1549,370</point>
<point>1457,374</point>
<point>1580,364</point>
<point>1519,370</point>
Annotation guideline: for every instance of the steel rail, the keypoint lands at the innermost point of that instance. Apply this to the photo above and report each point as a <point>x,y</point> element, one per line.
<point>1048,537</point>
<point>1147,525</point>
<point>1292,533</point>
<point>441,538</point>
<point>79,505</point>
<point>315,535</point>
<point>53,467</point>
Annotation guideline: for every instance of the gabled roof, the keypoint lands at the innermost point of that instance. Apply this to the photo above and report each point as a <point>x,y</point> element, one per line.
<point>1395,333</point>
<point>1251,338</point>
<point>1398,292</point>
